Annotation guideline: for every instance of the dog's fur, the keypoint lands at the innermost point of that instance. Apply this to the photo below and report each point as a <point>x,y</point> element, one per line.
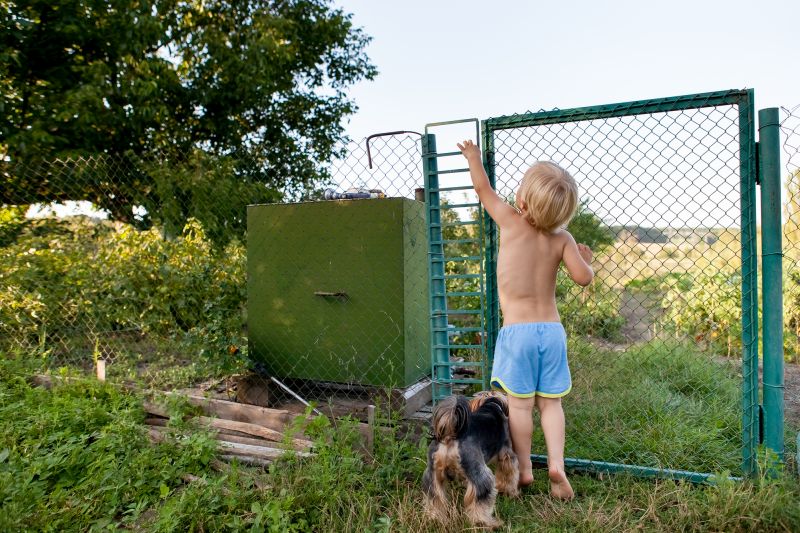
<point>467,437</point>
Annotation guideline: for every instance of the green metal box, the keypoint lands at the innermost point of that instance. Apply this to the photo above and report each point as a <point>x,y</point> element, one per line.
<point>338,290</point>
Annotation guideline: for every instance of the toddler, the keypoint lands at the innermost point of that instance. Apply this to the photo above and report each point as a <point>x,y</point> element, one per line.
<point>530,358</point>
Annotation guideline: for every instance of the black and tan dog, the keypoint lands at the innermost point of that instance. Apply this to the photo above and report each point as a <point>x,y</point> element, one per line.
<point>467,437</point>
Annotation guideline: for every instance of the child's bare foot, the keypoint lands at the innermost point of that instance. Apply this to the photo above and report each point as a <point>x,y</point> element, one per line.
<point>525,479</point>
<point>559,485</point>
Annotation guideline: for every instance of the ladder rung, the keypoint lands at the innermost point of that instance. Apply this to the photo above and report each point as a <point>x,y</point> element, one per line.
<point>456,241</point>
<point>456,380</point>
<point>462,276</point>
<point>459,223</point>
<point>445,189</point>
<point>462,330</point>
<point>461,293</point>
<point>462,312</point>
<point>443,154</point>
<point>462,363</point>
<point>454,171</point>
<point>458,346</point>
<point>451,224</point>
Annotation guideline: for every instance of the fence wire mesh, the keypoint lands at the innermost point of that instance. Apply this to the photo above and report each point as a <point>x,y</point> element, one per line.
<point>144,263</point>
<point>790,138</point>
<point>655,341</point>
<point>159,268</point>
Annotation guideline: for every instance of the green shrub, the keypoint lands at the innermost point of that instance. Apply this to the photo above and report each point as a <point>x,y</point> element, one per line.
<point>77,283</point>
<point>707,308</point>
<point>791,315</point>
<point>592,310</point>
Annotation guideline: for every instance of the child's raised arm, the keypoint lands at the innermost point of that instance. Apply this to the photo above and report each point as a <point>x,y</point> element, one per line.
<point>578,258</point>
<point>500,211</point>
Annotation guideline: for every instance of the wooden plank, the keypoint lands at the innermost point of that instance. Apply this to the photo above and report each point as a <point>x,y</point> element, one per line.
<point>261,452</point>
<point>251,461</point>
<point>242,427</point>
<point>371,435</point>
<point>157,434</point>
<point>254,429</point>
<point>411,399</point>
<point>276,419</point>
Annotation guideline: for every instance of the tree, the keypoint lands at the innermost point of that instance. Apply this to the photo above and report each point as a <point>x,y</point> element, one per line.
<point>257,86</point>
<point>588,229</point>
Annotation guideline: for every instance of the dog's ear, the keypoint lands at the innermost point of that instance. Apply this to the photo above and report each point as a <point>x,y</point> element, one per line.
<point>451,418</point>
<point>500,401</point>
<point>480,398</point>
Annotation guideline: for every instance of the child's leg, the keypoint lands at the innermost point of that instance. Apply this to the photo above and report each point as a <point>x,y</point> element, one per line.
<point>552,416</point>
<point>520,422</point>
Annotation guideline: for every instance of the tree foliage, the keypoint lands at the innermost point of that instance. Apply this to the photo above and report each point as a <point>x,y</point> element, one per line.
<point>587,228</point>
<point>258,86</point>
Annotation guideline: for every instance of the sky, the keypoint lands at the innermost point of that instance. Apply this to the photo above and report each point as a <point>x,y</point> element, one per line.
<point>444,60</point>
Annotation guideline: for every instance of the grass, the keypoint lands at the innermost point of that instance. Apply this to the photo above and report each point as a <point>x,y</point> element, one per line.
<point>659,404</point>
<point>76,458</point>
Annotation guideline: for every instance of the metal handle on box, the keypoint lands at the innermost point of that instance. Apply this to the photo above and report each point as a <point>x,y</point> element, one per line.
<point>341,296</point>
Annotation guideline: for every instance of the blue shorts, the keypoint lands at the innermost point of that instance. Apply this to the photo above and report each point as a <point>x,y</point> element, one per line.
<point>530,359</point>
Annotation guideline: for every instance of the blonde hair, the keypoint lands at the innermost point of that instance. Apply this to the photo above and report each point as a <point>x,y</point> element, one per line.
<point>550,194</point>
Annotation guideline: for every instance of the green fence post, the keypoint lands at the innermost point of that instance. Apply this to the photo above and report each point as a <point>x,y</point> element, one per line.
<point>749,285</point>
<point>440,354</point>
<point>492,298</point>
<point>772,275</point>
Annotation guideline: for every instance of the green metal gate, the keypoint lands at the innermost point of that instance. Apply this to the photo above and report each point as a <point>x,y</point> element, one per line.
<point>674,181</point>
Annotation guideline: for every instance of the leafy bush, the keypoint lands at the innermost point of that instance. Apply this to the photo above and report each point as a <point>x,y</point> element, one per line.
<point>791,315</point>
<point>706,307</point>
<point>587,228</point>
<point>80,280</point>
<point>593,310</point>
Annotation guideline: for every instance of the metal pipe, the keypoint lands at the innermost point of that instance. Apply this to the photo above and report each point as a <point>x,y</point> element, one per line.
<point>747,164</point>
<point>296,396</point>
<point>639,471</point>
<point>384,134</point>
<point>440,354</point>
<point>772,274</point>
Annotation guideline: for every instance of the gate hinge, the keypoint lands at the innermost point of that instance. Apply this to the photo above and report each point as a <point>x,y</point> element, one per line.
<point>758,164</point>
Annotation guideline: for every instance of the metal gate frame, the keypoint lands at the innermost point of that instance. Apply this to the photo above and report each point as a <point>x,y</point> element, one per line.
<point>752,421</point>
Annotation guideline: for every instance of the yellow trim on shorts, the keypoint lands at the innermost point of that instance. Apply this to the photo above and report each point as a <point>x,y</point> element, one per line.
<point>529,394</point>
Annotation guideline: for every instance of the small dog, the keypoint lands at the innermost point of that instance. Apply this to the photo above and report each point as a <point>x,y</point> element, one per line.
<point>467,437</point>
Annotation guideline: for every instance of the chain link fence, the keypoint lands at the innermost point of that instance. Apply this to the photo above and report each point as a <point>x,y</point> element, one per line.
<point>655,341</point>
<point>144,264</point>
<point>790,138</point>
<point>163,271</point>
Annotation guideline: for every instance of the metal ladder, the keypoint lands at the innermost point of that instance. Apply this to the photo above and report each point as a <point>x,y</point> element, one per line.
<point>449,372</point>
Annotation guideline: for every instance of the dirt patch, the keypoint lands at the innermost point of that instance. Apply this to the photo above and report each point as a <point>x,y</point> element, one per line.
<point>791,381</point>
<point>640,309</point>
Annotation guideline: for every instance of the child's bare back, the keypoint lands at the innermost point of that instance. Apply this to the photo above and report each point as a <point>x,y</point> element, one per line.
<point>526,271</point>
<point>529,256</point>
